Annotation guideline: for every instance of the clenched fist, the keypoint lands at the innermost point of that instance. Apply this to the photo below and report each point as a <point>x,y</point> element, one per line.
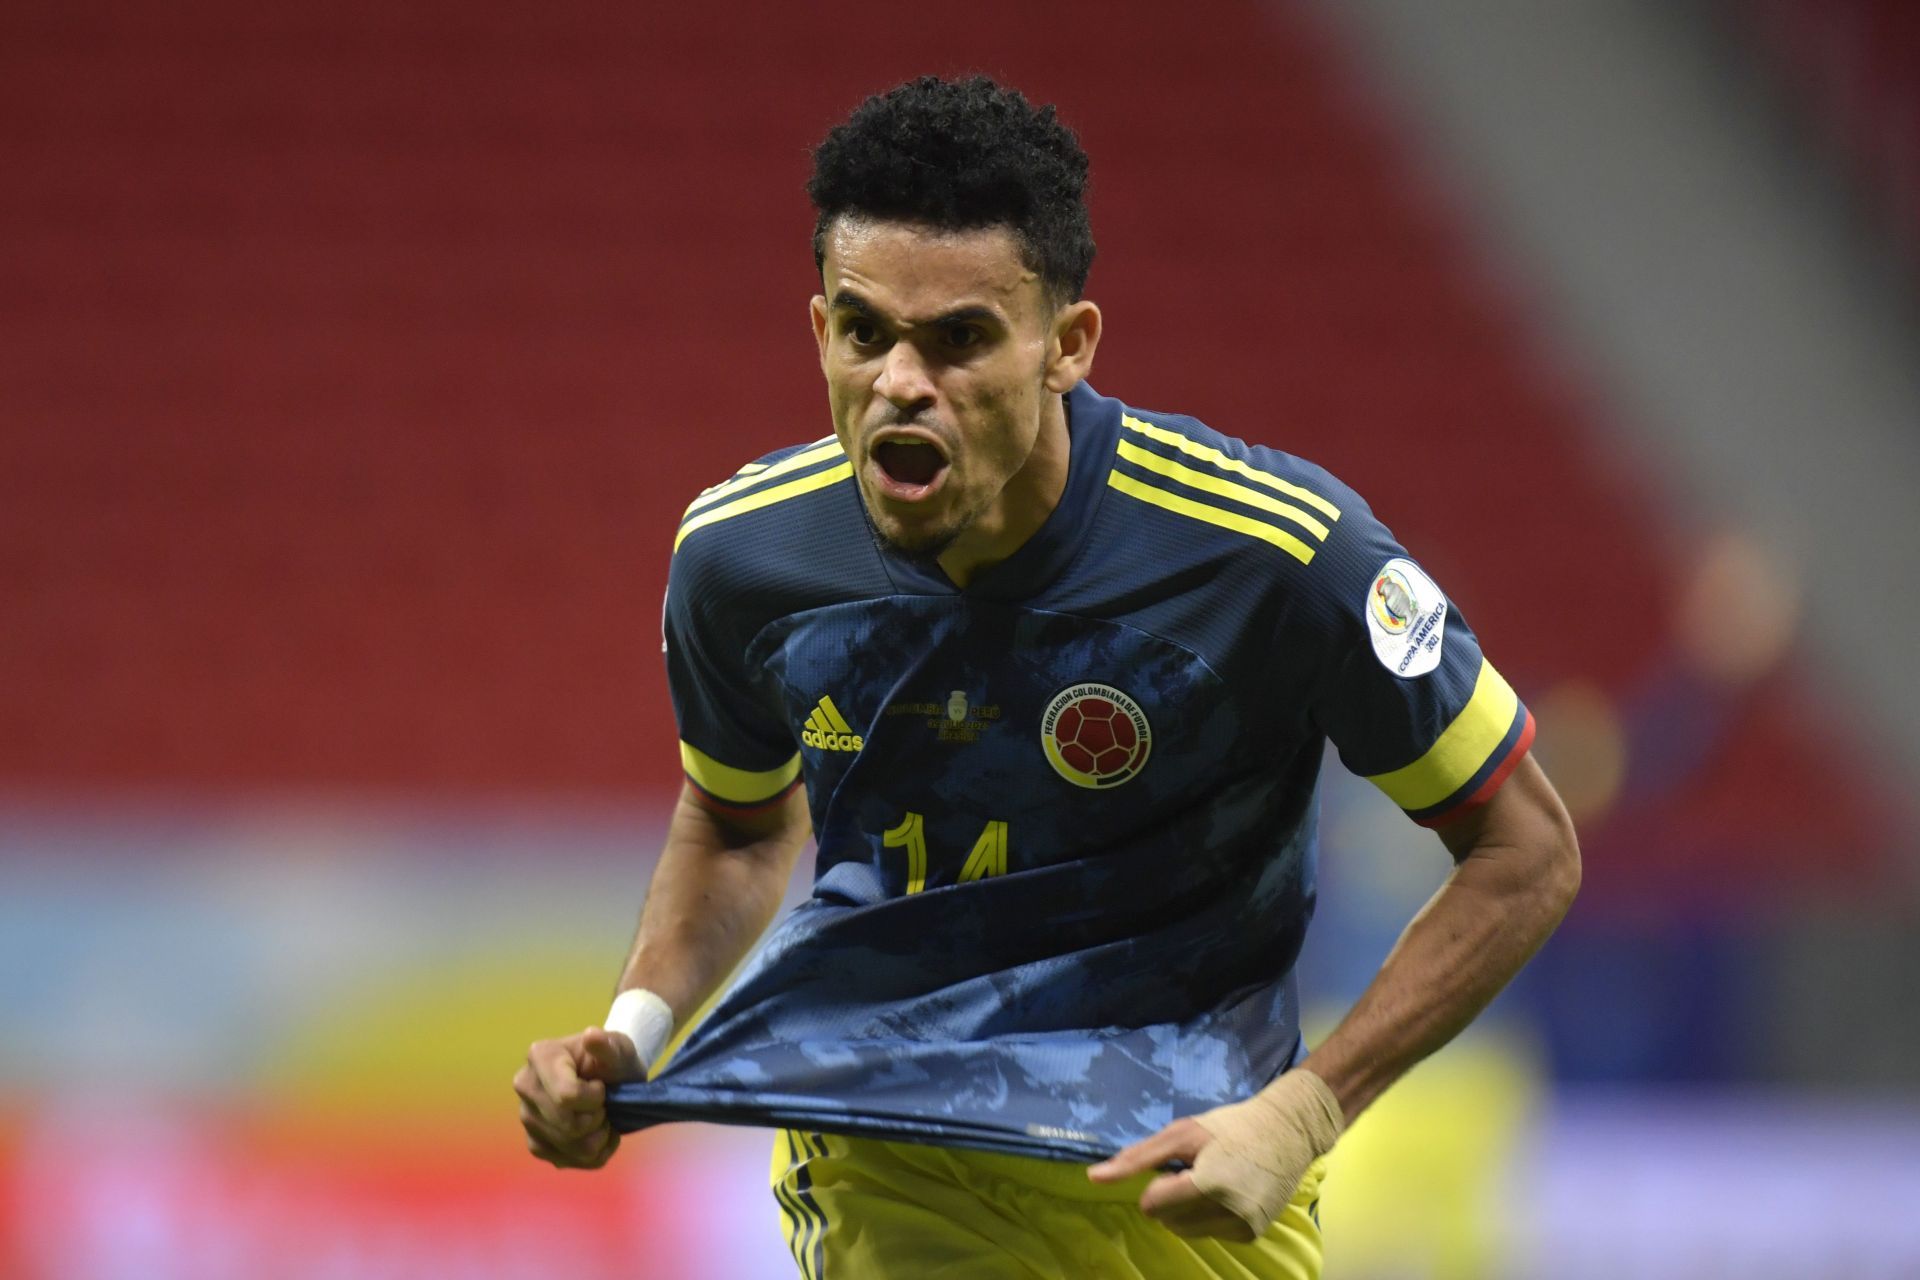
<point>563,1096</point>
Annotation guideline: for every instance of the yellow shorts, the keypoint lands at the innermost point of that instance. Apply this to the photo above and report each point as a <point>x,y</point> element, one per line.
<point>862,1209</point>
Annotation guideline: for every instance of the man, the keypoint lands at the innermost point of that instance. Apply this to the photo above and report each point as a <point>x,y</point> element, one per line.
<point>1048,679</point>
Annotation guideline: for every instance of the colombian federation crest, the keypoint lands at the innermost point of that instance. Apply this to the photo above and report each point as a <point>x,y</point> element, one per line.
<point>1095,736</point>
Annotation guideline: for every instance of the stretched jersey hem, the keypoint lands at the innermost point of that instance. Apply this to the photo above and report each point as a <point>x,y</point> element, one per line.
<point>629,1112</point>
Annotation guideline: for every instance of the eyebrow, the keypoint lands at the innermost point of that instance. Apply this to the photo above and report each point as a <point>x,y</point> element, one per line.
<point>851,301</point>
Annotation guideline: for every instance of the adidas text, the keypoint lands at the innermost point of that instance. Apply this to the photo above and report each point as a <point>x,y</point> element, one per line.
<point>831,741</point>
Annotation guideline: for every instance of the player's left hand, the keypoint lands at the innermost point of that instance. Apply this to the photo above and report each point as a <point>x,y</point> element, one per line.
<point>1246,1159</point>
<point>1172,1198</point>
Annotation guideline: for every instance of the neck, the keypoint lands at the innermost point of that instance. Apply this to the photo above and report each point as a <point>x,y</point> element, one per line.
<point>1022,507</point>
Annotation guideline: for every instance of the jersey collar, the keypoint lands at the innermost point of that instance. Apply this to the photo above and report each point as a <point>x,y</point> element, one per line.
<point>1093,428</point>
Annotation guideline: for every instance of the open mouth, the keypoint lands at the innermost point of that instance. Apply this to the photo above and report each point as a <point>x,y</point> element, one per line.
<point>908,469</point>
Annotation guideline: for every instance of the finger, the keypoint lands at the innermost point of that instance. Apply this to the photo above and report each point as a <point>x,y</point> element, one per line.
<point>557,1156</point>
<point>563,1134</point>
<point>1178,1204</point>
<point>1139,1158</point>
<point>533,1093</point>
<point>1175,1142</point>
<point>553,1061</point>
<point>533,1096</point>
<point>589,1151</point>
<point>609,1056</point>
<point>592,1098</point>
<point>602,1143</point>
<point>595,1149</point>
<point>1172,1194</point>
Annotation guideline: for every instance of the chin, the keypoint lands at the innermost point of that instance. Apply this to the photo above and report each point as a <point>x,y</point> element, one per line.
<point>922,543</point>
<point>921,538</point>
<point>914,539</point>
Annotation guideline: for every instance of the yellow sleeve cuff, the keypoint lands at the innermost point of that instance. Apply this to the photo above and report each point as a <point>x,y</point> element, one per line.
<point>742,787</point>
<point>1457,754</point>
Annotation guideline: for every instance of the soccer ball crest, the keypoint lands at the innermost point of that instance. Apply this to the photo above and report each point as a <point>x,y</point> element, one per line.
<point>1095,736</point>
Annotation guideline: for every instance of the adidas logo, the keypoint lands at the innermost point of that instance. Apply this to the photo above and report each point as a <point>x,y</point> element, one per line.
<point>827,730</point>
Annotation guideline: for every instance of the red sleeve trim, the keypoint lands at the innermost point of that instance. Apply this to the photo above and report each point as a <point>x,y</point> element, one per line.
<point>1486,789</point>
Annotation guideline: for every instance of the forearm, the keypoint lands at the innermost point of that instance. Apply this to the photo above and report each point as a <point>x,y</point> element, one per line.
<point>714,892</point>
<point>1517,867</point>
<point>1509,891</point>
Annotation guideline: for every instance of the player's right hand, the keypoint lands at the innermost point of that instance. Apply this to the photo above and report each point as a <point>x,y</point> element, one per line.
<point>563,1096</point>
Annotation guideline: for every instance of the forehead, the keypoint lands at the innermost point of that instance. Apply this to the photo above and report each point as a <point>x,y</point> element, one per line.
<point>912,270</point>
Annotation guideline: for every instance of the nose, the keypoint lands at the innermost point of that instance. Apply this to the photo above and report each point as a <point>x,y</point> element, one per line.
<point>904,380</point>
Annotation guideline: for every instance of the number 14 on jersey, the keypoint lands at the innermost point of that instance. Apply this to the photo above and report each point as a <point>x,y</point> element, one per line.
<point>988,858</point>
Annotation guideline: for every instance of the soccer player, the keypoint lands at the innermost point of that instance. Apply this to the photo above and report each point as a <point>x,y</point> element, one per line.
<point>1047,677</point>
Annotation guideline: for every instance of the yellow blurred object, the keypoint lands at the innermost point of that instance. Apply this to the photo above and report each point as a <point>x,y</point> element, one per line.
<point>447,1036</point>
<point>1413,1189</point>
<point>442,1038</point>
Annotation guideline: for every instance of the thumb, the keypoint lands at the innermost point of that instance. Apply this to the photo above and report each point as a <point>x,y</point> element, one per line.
<point>1170,1143</point>
<point>609,1056</point>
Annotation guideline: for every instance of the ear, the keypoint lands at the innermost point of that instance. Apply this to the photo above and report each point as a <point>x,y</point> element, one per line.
<point>818,309</point>
<point>1076,332</point>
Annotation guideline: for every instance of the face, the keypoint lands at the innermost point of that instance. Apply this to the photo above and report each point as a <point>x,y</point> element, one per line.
<point>944,364</point>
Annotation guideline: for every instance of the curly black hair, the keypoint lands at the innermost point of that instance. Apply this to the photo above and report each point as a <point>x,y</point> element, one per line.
<point>960,154</point>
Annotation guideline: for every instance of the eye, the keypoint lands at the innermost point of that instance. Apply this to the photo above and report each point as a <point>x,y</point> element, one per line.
<point>863,333</point>
<point>963,335</point>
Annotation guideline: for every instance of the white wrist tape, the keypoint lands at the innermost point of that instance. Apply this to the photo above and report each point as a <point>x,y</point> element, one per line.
<point>643,1018</point>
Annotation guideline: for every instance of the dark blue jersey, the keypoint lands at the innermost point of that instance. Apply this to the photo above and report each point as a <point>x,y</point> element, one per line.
<point>1066,815</point>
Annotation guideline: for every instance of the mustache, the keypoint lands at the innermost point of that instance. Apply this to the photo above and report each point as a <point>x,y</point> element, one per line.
<point>919,421</point>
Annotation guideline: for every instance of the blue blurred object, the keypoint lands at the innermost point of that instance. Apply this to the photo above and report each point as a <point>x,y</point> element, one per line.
<point>1620,1002</point>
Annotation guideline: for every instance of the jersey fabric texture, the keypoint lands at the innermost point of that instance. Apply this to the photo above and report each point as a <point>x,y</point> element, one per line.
<point>1066,816</point>
<point>862,1207</point>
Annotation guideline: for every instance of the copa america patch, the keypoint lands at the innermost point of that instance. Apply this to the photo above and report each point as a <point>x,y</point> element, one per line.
<point>1406,618</point>
<point>1095,736</point>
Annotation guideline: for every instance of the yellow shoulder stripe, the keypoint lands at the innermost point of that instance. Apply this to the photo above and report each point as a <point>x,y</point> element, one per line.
<point>764,498</point>
<point>752,468</point>
<point>736,786</point>
<point>1212,515</point>
<point>1211,483</point>
<point>1194,449</point>
<point>755,474</point>
<point>1457,754</point>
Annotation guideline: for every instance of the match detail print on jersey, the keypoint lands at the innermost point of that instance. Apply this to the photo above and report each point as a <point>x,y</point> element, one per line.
<point>1406,618</point>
